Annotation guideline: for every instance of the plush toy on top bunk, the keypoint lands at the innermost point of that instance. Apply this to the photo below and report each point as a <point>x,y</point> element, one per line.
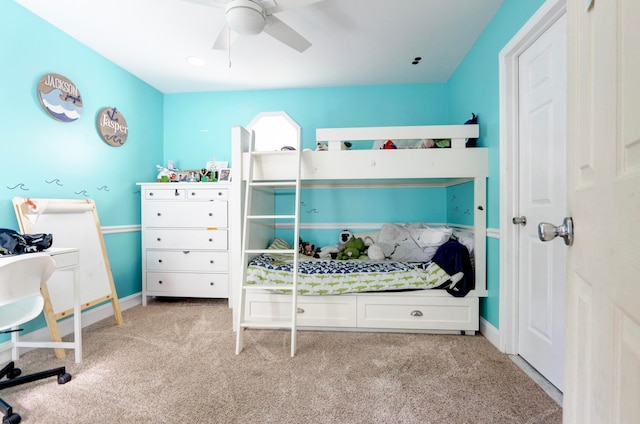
<point>425,143</point>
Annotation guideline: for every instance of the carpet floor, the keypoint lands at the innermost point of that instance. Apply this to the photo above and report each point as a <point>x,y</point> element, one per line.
<point>174,362</point>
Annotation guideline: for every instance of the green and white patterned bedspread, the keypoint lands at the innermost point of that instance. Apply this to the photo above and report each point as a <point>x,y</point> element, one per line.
<point>327,276</point>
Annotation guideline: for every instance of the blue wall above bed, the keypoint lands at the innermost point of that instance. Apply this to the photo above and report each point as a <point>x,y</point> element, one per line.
<point>197,126</point>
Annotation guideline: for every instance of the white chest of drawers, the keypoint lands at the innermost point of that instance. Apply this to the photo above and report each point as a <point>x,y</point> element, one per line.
<point>185,240</point>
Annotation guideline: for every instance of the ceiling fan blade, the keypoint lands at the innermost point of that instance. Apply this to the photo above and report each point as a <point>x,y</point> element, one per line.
<point>285,34</point>
<point>225,38</point>
<point>282,5</point>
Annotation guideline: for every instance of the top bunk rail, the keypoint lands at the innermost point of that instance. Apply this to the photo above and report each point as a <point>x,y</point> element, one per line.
<point>457,133</point>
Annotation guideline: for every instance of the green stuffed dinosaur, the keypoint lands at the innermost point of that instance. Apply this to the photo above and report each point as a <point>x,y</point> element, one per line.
<point>352,249</point>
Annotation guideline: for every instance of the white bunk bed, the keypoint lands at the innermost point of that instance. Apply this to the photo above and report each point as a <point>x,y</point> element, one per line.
<point>405,311</point>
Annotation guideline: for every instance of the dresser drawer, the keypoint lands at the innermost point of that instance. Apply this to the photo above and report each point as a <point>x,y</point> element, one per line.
<point>188,285</point>
<point>208,214</point>
<point>316,311</point>
<point>186,239</point>
<point>207,193</point>
<point>187,260</point>
<point>418,312</point>
<point>165,194</point>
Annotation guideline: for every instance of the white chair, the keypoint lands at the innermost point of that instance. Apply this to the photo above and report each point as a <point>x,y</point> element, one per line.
<point>21,301</point>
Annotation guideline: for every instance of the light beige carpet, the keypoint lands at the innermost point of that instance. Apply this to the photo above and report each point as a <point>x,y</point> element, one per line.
<point>174,362</point>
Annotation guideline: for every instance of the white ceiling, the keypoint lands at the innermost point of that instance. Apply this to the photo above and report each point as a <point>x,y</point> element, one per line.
<point>354,42</point>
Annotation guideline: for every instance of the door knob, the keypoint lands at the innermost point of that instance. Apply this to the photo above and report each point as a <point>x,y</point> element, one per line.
<point>522,220</point>
<point>547,232</point>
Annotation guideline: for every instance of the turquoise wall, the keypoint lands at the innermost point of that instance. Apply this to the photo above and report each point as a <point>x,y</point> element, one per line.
<point>197,126</point>
<point>475,87</point>
<point>47,158</point>
<point>42,157</point>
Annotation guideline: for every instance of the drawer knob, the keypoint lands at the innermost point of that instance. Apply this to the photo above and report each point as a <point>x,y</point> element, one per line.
<point>176,193</point>
<point>212,283</point>
<point>159,214</point>
<point>159,260</point>
<point>158,239</point>
<point>211,261</point>
<point>151,193</point>
<point>210,213</point>
<point>416,313</point>
<point>299,310</point>
<point>210,239</point>
<point>160,282</point>
<point>192,193</point>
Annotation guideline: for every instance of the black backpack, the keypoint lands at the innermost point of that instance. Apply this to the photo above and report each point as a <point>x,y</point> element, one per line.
<point>13,243</point>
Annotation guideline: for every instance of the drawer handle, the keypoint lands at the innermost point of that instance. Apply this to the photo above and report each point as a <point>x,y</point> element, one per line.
<point>160,282</point>
<point>299,311</point>
<point>186,252</point>
<point>210,239</point>
<point>159,239</point>
<point>211,261</point>
<point>160,261</point>
<point>212,283</point>
<point>159,214</point>
<point>192,193</point>
<point>150,193</point>
<point>210,213</point>
<point>176,193</point>
<point>416,313</point>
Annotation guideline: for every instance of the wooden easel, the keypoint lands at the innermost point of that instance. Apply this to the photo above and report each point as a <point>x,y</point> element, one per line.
<point>73,223</point>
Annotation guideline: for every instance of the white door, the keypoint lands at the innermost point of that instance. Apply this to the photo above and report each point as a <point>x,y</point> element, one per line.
<point>542,197</point>
<point>602,360</point>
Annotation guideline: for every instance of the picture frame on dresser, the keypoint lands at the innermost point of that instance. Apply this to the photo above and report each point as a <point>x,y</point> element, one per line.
<point>224,175</point>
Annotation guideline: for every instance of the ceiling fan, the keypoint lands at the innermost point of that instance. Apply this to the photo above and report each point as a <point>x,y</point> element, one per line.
<point>251,17</point>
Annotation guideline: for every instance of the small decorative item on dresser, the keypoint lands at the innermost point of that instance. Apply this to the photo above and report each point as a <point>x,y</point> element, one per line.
<point>225,174</point>
<point>193,175</point>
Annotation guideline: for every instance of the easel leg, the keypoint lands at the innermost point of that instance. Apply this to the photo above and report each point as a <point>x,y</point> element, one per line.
<point>52,323</point>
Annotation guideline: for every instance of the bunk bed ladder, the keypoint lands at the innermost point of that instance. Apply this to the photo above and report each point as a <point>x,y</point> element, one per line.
<point>248,252</point>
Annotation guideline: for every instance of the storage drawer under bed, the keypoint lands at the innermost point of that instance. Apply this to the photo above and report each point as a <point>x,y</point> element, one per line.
<point>418,312</point>
<point>315,311</point>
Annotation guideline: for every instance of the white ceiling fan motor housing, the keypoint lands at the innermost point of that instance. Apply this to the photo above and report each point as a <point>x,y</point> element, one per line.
<point>246,17</point>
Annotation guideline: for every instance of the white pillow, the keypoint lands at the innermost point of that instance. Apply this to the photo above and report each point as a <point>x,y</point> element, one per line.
<point>432,236</point>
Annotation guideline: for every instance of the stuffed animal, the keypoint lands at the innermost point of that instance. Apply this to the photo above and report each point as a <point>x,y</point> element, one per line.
<point>333,250</point>
<point>471,142</point>
<point>307,248</point>
<point>389,144</point>
<point>320,146</point>
<point>352,249</point>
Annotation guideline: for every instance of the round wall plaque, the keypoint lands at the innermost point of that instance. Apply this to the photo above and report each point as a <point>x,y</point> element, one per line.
<point>112,126</point>
<point>60,97</point>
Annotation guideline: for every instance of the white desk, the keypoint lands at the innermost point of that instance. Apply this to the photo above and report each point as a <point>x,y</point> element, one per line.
<point>67,259</point>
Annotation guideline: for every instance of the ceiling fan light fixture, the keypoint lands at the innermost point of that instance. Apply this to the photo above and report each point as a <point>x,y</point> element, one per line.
<point>246,17</point>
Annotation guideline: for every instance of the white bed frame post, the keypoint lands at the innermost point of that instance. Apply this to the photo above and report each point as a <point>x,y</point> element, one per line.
<point>480,234</point>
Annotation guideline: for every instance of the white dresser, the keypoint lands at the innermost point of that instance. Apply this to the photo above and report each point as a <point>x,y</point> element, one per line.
<point>185,240</point>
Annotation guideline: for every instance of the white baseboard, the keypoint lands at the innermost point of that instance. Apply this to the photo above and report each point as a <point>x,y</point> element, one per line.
<point>66,327</point>
<point>490,332</point>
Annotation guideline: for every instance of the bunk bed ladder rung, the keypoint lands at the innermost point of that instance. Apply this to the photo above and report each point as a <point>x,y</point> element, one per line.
<point>249,252</point>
